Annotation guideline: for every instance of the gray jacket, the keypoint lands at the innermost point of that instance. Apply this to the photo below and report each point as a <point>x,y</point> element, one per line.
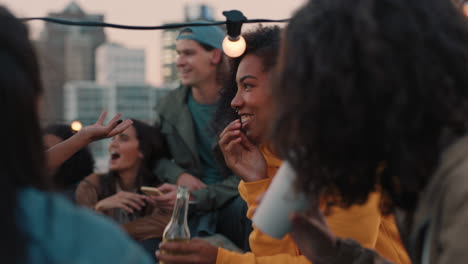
<point>437,232</point>
<point>176,124</point>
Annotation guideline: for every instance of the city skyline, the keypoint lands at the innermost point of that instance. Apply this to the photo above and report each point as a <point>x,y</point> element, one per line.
<point>148,13</point>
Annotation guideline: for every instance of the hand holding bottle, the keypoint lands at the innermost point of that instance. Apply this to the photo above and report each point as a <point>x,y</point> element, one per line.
<point>177,230</point>
<point>196,251</point>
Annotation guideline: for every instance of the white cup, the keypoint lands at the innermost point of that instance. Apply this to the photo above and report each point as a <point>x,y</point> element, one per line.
<point>279,201</point>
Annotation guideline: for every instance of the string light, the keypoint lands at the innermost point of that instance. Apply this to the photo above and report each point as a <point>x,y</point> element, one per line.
<point>234,43</point>
<point>120,26</point>
<point>234,47</point>
<point>76,126</point>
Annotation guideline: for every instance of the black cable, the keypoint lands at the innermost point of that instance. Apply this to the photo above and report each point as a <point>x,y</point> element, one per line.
<point>166,26</point>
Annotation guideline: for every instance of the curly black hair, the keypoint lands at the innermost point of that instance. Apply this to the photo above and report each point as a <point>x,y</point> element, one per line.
<point>263,42</point>
<point>370,84</point>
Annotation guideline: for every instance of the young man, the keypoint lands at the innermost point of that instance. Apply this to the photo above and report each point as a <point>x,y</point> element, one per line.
<point>185,116</point>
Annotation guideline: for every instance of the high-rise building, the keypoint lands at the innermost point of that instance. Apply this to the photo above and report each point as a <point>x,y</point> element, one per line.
<point>133,101</point>
<point>85,100</point>
<point>121,65</point>
<point>193,12</point>
<point>67,53</point>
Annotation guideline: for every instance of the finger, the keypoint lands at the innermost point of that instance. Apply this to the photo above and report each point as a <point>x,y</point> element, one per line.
<point>114,120</point>
<point>150,200</point>
<point>234,146</point>
<point>228,137</point>
<point>167,187</point>
<point>125,207</point>
<point>246,142</point>
<point>134,196</point>
<point>139,199</point>
<point>199,184</point>
<point>101,118</point>
<point>234,125</point>
<point>120,128</point>
<point>171,259</point>
<point>131,204</point>
<point>164,198</point>
<point>185,248</point>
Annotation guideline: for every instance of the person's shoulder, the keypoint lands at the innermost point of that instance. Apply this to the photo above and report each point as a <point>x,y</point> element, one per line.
<point>94,178</point>
<point>75,234</point>
<point>173,99</point>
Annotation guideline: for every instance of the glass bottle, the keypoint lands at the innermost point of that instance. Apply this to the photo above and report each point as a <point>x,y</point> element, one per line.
<point>177,230</point>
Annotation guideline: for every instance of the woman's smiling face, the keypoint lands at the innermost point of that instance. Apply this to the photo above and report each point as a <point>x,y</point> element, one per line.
<point>253,99</point>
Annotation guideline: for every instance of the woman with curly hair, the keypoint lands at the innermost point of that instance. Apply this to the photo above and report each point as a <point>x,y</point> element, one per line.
<point>375,93</point>
<point>242,121</point>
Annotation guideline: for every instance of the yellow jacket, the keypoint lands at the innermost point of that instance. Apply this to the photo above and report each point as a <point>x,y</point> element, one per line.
<point>363,223</point>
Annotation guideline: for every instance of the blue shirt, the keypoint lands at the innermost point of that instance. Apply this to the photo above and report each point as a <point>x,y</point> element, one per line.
<point>202,115</point>
<point>59,232</point>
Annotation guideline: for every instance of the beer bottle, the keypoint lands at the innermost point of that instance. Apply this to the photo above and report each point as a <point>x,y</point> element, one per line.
<point>177,230</point>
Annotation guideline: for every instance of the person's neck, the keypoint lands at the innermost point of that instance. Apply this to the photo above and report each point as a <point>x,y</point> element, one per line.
<point>207,92</point>
<point>127,179</point>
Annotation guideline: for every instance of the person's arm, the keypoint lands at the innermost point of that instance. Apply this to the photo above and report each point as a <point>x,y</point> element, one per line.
<point>216,195</point>
<point>319,245</point>
<point>199,251</point>
<point>61,152</point>
<point>168,170</point>
<point>86,193</point>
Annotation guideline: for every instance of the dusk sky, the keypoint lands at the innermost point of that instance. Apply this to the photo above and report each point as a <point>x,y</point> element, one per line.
<point>149,13</point>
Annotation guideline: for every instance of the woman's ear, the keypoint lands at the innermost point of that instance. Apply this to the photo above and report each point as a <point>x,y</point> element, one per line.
<point>140,155</point>
<point>216,56</point>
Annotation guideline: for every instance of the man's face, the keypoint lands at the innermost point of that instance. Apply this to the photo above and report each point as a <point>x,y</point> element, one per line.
<point>195,65</point>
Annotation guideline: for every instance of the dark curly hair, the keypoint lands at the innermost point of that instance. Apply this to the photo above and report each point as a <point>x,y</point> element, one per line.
<point>262,42</point>
<point>366,86</point>
<point>73,170</point>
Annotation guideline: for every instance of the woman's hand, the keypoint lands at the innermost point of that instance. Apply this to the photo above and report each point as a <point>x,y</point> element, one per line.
<point>167,200</point>
<point>59,153</point>
<point>313,236</point>
<point>124,200</point>
<point>99,131</point>
<point>197,251</point>
<point>242,156</point>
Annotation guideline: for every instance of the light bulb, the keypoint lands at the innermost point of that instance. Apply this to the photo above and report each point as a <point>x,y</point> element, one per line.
<point>234,48</point>
<point>76,125</point>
